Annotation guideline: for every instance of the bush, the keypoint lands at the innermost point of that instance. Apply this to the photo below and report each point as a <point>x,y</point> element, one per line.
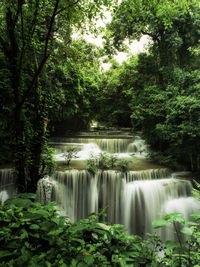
<point>92,165</point>
<point>34,235</point>
<point>70,154</point>
<point>181,253</point>
<point>123,164</point>
<point>105,161</point>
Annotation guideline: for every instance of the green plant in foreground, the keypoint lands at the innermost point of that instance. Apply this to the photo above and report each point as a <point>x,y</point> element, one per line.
<point>32,235</point>
<point>181,253</point>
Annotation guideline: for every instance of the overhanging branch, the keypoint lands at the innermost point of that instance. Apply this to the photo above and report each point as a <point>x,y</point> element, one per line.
<point>45,55</point>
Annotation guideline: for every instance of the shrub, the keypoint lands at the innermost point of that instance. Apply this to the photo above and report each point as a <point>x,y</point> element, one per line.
<point>70,154</point>
<point>105,161</point>
<point>34,235</point>
<point>123,164</point>
<point>92,165</point>
<point>180,253</point>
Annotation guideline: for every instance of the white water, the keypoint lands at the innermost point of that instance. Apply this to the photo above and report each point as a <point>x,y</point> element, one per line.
<point>7,184</point>
<point>133,198</point>
<point>87,147</point>
<point>114,145</point>
<point>138,147</point>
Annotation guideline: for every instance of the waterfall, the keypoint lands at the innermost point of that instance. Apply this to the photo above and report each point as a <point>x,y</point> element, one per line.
<point>184,205</point>
<point>114,145</point>
<point>148,174</point>
<point>77,192</point>
<point>133,198</point>
<point>138,147</point>
<point>144,199</point>
<point>7,184</point>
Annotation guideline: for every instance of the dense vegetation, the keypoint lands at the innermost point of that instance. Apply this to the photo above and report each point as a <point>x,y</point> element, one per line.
<point>46,78</point>
<point>34,235</point>
<point>51,83</point>
<point>159,89</point>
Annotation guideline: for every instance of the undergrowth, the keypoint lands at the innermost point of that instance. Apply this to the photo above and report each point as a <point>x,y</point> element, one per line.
<point>32,234</point>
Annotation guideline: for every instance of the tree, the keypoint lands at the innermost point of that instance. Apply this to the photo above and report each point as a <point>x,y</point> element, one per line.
<point>29,29</point>
<point>164,96</point>
<point>76,76</point>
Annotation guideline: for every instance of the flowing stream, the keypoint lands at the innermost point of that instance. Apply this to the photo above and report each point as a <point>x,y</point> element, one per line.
<point>133,198</point>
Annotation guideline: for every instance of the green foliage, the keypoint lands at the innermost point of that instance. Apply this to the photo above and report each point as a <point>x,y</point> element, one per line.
<point>48,163</point>
<point>76,77</point>
<point>34,235</point>
<point>160,87</point>
<point>92,165</point>
<point>123,164</point>
<point>113,96</point>
<point>39,68</point>
<point>106,161</point>
<point>31,234</point>
<point>181,253</point>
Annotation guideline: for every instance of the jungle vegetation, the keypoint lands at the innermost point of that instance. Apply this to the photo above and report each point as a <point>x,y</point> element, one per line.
<point>49,79</point>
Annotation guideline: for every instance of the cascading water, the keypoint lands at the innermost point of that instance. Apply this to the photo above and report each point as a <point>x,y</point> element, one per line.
<point>113,145</point>
<point>7,184</point>
<point>133,198</point>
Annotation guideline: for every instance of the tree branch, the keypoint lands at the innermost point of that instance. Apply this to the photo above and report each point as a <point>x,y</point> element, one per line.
<point>153,36</point>
<point>45,55</point>
<point>23,41</point>
<point>20,3</point>
<point>50,27</point>
<point>63,9</point>
<point>32,27</point>
<point>31,86</point>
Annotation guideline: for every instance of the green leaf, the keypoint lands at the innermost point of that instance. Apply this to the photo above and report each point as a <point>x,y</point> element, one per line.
<point>48,264</point>
<point>171,244</point>
<point>89,259</point>
<point>160,223</point>
<point>24,234</point>
<point>5,253</point>
<point>176,217</point>
<point>186,231</point>
<point>103,226</point>
<point>82,264</point>
<point>25,203</point>
<point>78,240</point>
<point>42,212</point>
<point>34,226</point>
<point>26,196</point>
<point>195,215</point>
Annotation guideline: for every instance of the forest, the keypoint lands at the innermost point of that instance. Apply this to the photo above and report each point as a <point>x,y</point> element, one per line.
<point>51,82</point>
